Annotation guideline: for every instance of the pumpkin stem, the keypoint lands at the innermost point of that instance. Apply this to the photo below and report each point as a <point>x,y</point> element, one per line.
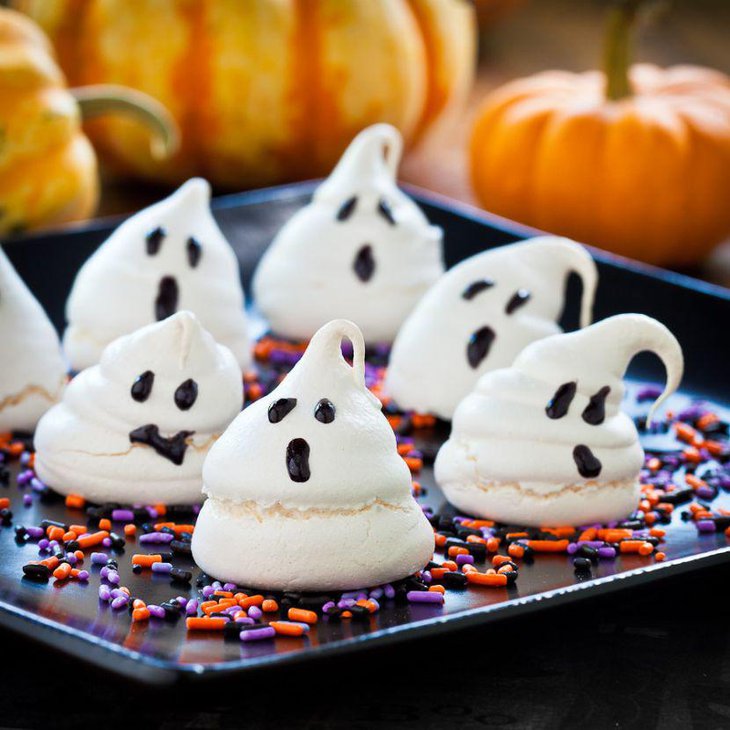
<point>617,48</point>
<point>99,99</point>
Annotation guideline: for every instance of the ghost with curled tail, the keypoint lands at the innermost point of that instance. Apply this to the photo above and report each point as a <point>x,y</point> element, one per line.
<point>544,442</point>
<point>32,369</point>
<point>167,258</point>
<point>361,249</point>
<point>479,315</point>
<point>136,428</point>
<point>306,490</point>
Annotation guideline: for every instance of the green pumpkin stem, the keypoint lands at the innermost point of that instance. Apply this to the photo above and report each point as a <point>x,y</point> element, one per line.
<point>101,99</point>
<point>617,48</point>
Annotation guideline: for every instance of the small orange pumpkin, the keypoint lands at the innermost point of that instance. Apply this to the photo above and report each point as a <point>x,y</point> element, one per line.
<point>636,162</point>
<point>48,170</point>
<point>264,91</point>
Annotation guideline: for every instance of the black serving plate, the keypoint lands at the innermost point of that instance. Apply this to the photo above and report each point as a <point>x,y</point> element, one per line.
<point>70,618</point>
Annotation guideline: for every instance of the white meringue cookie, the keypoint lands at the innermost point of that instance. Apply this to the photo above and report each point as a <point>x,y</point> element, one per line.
<point>306,490</point>
<point>544,442</point>
<point>137,427</point>
<point>361,249</point>
<point>479,315</point>
<point>169,257</point>
<point>32,369</point>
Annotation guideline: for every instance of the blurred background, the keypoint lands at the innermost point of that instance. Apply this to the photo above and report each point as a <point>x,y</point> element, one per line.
<point>266,92</point>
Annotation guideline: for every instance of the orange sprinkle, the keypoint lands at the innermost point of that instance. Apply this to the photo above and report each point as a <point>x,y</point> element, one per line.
<point>256,600</point>
<point>692,454</point>
<point>70,535</point>
<point>301,614</point>
<point>78,529</point>
<point>4,503</point>
<point>269,606</point>
<point>660,556</point>
<point>140,614</point>
<point>654,464</point>
<point>438,573</point>
<point>75,501</point>
<point>634,546</point>
<point>437,589</point>
<point>55,533</point>
<point>161,509</point>
<point>50,563</point>
<point>657,532</point>
<point>223,594</point>
<point>439,540</point>
<point>195,623</point>
<point>559,531</point>
<point>468,568</point>
<point>284,628</point>
<point>449,565</point>
<point>685,432</point>
<point>714,447</point>
<point>498,560</point>
<point>588,535</point>
<point>515,550</point>
<point>493,544</point>
<point>476,524</point>
<point>548,546</point>
<point>93,539</point>
<point>485,579</point>
<point>344,614</point>
<point>130,530</point>
<point>138,603</point>
<point>515,535</point>
<point>62,572</point>
<point>105,524</point>
<point>414,464</point>
<point>706,420</point>
<point>455,550</point>
<point>694,481</point>
<point>615,534</point>
<point>146,561</point>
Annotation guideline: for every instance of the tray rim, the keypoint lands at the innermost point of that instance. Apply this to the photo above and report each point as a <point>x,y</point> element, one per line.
<point>143,668</point>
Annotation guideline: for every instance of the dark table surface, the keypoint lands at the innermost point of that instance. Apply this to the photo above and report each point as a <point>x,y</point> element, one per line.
<point>642,659</point>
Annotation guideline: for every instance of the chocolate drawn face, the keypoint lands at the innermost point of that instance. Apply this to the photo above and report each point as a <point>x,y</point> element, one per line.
<point>593,414</point>
<point>298,449</point>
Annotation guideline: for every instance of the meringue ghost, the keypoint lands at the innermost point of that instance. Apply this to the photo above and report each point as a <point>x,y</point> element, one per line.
<point>32,369</point>
<point>479,315</point>
<point>136,428</point>
<point>544,442</point>
<point>361,249</point>
<point>171,256</point>
<point>306,490</point>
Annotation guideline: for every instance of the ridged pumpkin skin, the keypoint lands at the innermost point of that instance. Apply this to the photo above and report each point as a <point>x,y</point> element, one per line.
<point>646,176</point>
<point>48,169</point>
<point>264,90</point>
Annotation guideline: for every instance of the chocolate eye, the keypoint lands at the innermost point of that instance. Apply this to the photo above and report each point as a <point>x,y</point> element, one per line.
<point>347,209</point>
<point>595,412</point>
<point>167,296</point>
<point>324,411</point>
<point>479,345</point>
<point>476,287</point>
<point>364,263</point>
<point>588,465</point>
<point>186,394</point>
<point>519,299</point>
<point>281,408</point>
<point>560,402</point>
<point>386,211</point>
<point>194,251</point>
<point>154,240</point>
<point>142,386</point>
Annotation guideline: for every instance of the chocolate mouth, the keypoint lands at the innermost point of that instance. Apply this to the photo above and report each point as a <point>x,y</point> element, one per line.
<point>172,449</point>
<point>297,460</point>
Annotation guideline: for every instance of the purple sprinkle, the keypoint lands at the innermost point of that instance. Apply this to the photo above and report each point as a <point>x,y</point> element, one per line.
<point>590,543</point>
<point>27,500</point>
<point>161,567</point>
<point>705,526</point>
<point>105,592</point>
<point>156,537</point>
<point>705,492</point>
<point>34,532</point>
<point>267,632</point>
<point>244,620</point>
<point>255,612</point>
<point>182,601</point>
<point>425,597</point>
<point>572,548</point>
<point>83,576</point>
<point>465,560</point>
<point>99,559</point>
<point>71,559</point>
<point>329,606</point>
<point>648,392</point>
<point>43,544</point>
<point>426,576</point>
<point>122,515</point>
<point>37,485</point>
<point>376,593</point>
<point>208,591</point>
<point>607,552</point>
<point>389,590</point>
<point>24,477</point>
<point>346,603</point>
<point>192,607</point>
<point>107,542</point>
<point>229,587</point>
<point>104,572</point>
<point>116,592</point>
<point>156,611</point>
<point>113,577</point>
<point>120,602</point>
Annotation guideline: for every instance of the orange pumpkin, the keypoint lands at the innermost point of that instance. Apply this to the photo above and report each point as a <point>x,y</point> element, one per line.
<point>48,171</point>
<point>636,162</point>
<point>47,166</point>
<point>264,90</point>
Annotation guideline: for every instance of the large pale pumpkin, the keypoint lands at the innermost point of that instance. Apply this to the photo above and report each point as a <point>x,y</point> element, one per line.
<point>47,166</point>
<point>264,90</point>
<point>636,162</point>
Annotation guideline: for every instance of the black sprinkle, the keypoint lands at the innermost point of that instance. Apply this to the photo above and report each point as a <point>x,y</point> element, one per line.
<point>479,345</point>
<point>595,412</point>
<point>186,394</point>
<point>142,386</point>
<point>519,299</point>
<point>154,240</point>
<point>364,264</point>
<point>281,408</point>
<point>560,402</point>
<point>324,411</point>
<point>588,465</point>
<point>476,287</point>
<point>386,211</point>
<point>167,296</point>
<point>297,460</point>
<point>194,251</point>
<point>347,209</point>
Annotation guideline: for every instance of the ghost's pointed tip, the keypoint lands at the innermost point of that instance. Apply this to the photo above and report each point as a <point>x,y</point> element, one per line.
<point>196,191</point>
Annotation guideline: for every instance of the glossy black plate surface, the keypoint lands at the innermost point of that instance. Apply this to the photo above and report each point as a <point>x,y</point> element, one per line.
<point>69,616</point>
